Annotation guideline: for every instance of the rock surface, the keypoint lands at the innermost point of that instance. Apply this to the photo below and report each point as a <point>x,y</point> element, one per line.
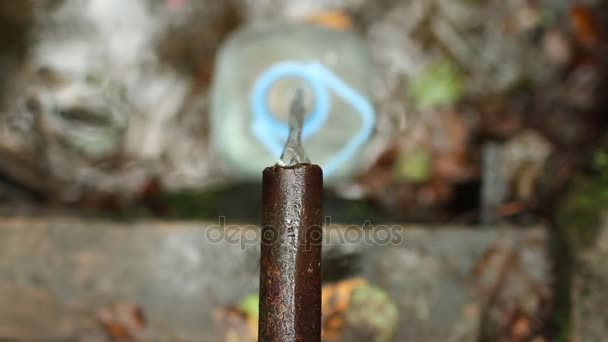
<point>589,284</point>
<point>70,279</point>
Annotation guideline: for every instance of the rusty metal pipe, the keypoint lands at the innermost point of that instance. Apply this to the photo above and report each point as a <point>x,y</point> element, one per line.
<point>290,279</point>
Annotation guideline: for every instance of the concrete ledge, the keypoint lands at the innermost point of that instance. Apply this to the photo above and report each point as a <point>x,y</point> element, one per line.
<point>57,274</point>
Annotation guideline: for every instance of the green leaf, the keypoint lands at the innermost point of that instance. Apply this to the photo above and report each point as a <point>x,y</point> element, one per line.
<point>251,305</point>
<point>414,166</point>
<point>440,84</point>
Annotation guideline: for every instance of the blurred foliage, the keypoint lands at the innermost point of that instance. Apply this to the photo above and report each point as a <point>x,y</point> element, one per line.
<point>580,212</point>
<point>250,305</point>
<point>414,167</point>
<point>193,205</point>
<point>439,84</point>
<point>578,222</point>
<point>371,308</point>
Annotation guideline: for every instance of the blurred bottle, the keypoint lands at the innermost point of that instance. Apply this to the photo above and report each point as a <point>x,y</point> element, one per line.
<point>257,73</point>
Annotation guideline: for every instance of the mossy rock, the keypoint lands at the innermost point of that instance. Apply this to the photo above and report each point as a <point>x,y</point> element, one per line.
<point>578,217</point>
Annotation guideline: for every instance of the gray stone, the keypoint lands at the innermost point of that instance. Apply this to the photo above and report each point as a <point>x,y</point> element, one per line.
<point>58,276</point>
<point>589,285</point>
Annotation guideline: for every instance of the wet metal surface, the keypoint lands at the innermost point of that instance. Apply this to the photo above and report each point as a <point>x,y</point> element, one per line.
<point>290,276</point>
